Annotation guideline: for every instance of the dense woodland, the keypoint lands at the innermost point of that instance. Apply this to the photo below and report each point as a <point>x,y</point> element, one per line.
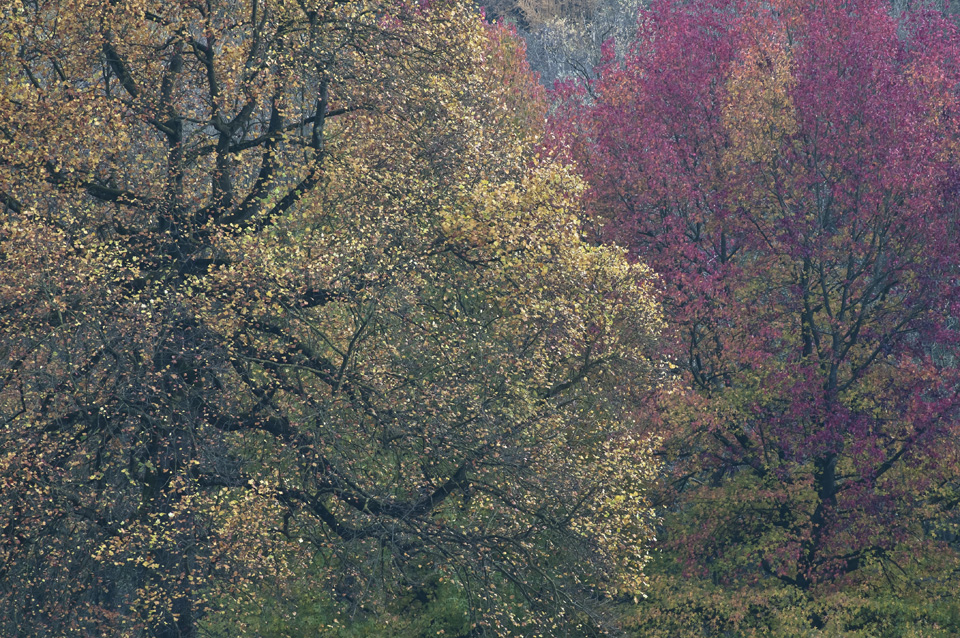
<point>337,319</point>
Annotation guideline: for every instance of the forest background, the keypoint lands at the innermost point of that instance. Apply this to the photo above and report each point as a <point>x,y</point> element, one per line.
<point>328,318</point>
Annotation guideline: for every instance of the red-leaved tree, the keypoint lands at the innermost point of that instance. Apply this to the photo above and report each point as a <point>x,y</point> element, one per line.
<point>789,169</point>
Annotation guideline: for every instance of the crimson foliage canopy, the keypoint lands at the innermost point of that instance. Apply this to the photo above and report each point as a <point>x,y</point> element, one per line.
<point>789,170</point>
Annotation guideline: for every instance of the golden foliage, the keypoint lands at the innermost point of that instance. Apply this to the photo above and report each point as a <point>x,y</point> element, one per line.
<point>286,287</point>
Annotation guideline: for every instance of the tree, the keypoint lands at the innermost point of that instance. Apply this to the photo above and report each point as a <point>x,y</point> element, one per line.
<point>788,169</point>
<point>286,286</point>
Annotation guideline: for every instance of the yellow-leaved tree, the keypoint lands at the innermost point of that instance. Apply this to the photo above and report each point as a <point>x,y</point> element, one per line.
<point>288,297</point>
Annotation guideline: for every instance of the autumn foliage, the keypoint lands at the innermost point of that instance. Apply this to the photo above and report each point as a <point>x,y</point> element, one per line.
<point>328,319</point>
<point>289,295</point>
<point>789,170</point>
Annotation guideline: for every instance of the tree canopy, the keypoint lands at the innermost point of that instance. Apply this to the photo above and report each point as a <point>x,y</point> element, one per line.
<point>291,288</point>
<point>789,171</point>
<point>326,318</point>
